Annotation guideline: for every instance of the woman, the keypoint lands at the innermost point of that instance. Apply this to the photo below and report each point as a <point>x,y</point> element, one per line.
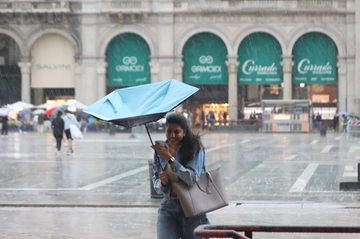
<point>185,155</point>
<point>58,129</point>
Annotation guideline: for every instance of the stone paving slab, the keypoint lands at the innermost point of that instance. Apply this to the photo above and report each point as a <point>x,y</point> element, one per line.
<point>103,189</point>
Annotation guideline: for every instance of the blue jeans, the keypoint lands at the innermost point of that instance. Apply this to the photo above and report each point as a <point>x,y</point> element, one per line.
<point>172,223</point>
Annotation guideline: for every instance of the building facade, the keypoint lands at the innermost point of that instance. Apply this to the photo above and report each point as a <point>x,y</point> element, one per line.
<point>237,52</point>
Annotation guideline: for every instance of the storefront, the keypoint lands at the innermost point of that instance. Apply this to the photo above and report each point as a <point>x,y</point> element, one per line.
<point>205,56</point>
<point>315,73</point>
<point>260,71</point>
<point>52,69</point>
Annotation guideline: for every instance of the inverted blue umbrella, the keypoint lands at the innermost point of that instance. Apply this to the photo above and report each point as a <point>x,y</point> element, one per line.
<point>139,105</point>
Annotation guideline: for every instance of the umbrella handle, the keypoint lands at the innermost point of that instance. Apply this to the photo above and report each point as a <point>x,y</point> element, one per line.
<point>147,130</point>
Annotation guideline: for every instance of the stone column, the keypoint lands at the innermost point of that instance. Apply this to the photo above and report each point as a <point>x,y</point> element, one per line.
<point>287,66</point>
<point>342,85</point>
<point>101,79</point>
<point>166,47</point>
<point>154,69</point>
<point>357,57</point>
<point>25,81</point>
<point>88,62</point>
<point>233,66</point>
<point>78,85</point>
<point>178,69</point>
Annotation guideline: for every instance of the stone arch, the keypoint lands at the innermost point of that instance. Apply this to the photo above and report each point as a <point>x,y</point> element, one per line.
<point>111,33</point>
<point>331,33</point>
<point>18,39</point>
<point>179,46</point>
<point>269,30</point>
<point>71,37</point>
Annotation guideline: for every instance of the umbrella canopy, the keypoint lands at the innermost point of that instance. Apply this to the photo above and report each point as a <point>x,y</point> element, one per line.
<point>51,110</point>
<point>341,113</point>
<point>76,104</point>
<point>21,105</point>
<point>46,105</point>
<point>4,111</point>
<point>141,104</point>
<point>38,112</point>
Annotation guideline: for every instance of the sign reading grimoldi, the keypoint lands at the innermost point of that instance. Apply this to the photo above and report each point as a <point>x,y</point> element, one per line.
<point>128,61</point>
<point>260,60</point>
<point>204,60</point>
<point>315,60</point>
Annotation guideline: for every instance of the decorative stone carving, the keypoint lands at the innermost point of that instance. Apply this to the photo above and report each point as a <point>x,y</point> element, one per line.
<point>178,67</point>
<point>24,67</point>
<point>232,67</point>
<point>101,67</point>
<point>154,67</point>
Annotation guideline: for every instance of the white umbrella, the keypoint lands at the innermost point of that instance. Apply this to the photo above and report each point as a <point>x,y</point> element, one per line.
<point>76,104</point>
<point>46,105</point>
<point>38,112</point>
<point>4,111</point>
<point>21,105</point>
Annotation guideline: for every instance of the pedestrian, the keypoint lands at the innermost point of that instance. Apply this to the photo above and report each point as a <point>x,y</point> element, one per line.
<point>225,114</point>
<point>57,126</point>
<point>40,123</point>
<point>69,119</point>
<point>185,155</point>
<point>345,121</point>
<point>336,122</point>
<point>210,119</point>
<point>4,128</point>
<point>318,121</point>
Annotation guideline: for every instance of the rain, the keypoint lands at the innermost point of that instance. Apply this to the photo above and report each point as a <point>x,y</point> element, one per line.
<point>276,106</point>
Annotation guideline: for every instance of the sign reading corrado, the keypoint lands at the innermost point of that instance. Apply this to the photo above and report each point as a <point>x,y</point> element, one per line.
<point>315,60</point>
<point>260,58</point>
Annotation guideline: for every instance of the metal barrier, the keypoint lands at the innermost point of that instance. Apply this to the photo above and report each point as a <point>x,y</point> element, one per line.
<point>233,231</point>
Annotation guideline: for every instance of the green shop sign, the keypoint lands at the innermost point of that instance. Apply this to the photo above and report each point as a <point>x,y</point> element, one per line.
<point>204,60</point>
<point>128,61</point>
<point>260,60</point>
<point>315,60</point>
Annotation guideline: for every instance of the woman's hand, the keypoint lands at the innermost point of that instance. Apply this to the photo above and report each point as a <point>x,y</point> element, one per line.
<point>164,177</point>
<point>162,151</point>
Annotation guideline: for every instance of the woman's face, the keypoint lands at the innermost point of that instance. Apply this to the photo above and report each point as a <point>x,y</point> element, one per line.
<point>174,134</point>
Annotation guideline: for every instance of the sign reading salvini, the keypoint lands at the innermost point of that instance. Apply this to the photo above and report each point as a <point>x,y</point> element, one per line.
<point>204,60</point>
<point>315,60</point>
<point>128,61</point>
<point>52,63</point>
<point>260,60</point>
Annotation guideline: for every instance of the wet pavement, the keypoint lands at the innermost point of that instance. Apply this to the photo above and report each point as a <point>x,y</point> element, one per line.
<point>103,189</point>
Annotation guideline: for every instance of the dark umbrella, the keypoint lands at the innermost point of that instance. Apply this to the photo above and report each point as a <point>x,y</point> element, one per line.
<point>141,104</point>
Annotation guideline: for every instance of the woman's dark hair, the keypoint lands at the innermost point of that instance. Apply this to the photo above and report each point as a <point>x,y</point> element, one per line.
<point>191,143</point>
<point>59,113</point>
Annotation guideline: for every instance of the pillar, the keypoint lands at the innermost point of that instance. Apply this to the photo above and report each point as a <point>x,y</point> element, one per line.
<point>287,66</point>
<point>233,66</point>
<point>342,85</point>
<point>25,81</point>
<point>101,79</point>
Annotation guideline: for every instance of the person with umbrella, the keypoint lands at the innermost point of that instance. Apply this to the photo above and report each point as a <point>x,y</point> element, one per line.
<point>69,119</point>
<point>58,130</point>
<point>184,153</point>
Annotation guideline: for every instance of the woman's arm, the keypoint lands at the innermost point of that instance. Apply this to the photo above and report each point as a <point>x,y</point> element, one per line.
<point>158,186</point>
<point>194,168</point>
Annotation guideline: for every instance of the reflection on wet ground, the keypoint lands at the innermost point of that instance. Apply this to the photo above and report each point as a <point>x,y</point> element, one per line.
<point>103,189</point>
